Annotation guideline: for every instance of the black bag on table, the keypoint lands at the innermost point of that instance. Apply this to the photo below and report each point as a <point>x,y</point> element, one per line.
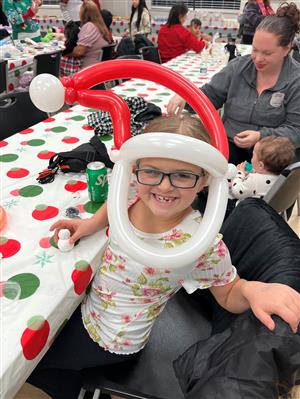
<point>76,160</point>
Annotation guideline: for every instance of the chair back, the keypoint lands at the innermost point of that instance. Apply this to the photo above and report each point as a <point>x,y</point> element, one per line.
<point>284,192</point>
<point>108,51</point>
<point>3,70</point>
<point>130,57</point>
<point>151,53</point>
<point>17,113</point>
<point>48,63</point>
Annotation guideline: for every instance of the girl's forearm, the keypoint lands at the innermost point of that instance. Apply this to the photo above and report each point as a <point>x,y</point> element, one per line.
<point>100,218</point>
<point>236,300</point>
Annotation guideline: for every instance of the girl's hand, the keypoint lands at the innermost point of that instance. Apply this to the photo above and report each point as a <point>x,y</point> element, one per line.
<point>246,139</point>
<point>241,166</point>
<point>278,299</point>
<point>175,105</point>
<point>77,227</point>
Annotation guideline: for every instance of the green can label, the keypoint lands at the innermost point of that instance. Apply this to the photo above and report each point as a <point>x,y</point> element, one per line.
<point>97,181</point>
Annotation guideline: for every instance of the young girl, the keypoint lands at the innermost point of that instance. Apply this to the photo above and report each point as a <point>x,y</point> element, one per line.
<point>116,316</point>
<point>270,156</point>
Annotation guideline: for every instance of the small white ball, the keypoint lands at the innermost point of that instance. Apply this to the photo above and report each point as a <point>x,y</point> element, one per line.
<point>64,234</point>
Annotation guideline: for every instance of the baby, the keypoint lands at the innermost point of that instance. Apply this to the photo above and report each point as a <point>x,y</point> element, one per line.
<point>270,156</point>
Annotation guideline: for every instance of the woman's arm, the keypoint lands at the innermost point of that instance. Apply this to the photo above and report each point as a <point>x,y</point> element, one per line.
<point>265,299</point>
<point>79,51</point>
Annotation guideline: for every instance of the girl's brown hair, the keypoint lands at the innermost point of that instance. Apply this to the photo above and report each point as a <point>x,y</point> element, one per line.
<point>90,13</point>
<point>185,124</point>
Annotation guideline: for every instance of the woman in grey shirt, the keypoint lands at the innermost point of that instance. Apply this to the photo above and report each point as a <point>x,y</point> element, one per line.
<point>260,93</point>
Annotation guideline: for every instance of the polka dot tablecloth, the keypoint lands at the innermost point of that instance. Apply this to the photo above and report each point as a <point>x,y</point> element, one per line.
<point>52,283</point>
<point>49,22</point>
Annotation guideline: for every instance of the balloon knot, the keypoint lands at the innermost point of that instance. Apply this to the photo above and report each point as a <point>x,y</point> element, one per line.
<point>70,95</point>
<point>114,154</point>
<point>67,81</point>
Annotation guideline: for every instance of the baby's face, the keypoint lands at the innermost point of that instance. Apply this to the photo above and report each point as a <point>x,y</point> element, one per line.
<point>163,199</point>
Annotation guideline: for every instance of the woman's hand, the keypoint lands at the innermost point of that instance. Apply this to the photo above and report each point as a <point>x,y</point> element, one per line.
<point>175,105</point>
<point>77,227</point>
<point>267,299</point>
<point>246,139</point>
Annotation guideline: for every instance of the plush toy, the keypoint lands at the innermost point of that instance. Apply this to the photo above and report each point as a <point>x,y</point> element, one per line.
<point>63,240</point>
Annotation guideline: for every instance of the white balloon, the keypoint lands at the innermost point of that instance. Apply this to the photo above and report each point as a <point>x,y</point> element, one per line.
<point>173,146</point>
<point>47,92</point>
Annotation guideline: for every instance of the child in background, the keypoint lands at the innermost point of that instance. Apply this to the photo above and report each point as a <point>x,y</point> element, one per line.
<point>117,314</point>
<point>270,156</point>
<point>195,29</point>
<point>231,48</point>
<point>69,64</point>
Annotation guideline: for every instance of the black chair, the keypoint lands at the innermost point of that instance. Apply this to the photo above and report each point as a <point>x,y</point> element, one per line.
<point>130,57</point>
<point>17,113</point>
<point>151,374</point>
<point>285,191</point>
<point>151,53</point>
<point>48,63</point>
<point>3,71</point>
<point>107,52</point>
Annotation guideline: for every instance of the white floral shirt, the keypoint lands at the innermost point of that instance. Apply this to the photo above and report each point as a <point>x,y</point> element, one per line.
<point>126,296</point>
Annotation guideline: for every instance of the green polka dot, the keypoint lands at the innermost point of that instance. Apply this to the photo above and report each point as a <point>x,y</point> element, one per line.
<point>156,100</point>
<point>78,118</point>
<point>131,89</point>
<point>140,84</point>
<point>107,137</point>
<point>92,110</point>
<point>165,94</point>
<point>28,282</point>
<point>92,207</point>
<point>17,73</point>
<point>10,292</point>
<point>8,157</point>
<point>58,129</point>
<point>81,265</point>
<point>35,142</point>
<point>30,191</point>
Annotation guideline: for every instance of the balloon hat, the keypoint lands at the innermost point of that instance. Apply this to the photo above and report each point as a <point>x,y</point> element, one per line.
<point>48,94</point>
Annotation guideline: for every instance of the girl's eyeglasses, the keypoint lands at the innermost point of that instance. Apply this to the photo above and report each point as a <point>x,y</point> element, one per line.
<point>153,177</point>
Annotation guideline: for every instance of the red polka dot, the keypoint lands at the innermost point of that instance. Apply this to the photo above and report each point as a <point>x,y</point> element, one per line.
<point>11,87</point>
<point>15,193</point>
<point>11,66</point>
<point>3,143</point>
<point>68,110</point>
<point>80,207</point>
<point>24,142</point>
<point>26,131</point>
<point>45,242</point>
<point>24,62</point>
<point>143,95</point>
<point>152,88</point>
<point>49,120</point>
<point>87,127</point>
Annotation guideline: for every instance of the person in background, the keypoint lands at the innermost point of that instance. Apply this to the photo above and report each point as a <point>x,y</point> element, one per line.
<point>93,34</point>
<point>140,20</point>
<point>108,18</point>
<point>195,29</point>
<point>174,39</point>
<point>231,48</point>
<point>20,15</point>
<point>270,156</point>
<point>116,316</point>
<point>260,92</point>
<point>70,10</point>
<point>254,12</point>
<point>68,63</point>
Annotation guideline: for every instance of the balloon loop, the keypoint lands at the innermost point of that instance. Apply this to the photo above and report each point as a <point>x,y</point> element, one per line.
<point>70,95</point>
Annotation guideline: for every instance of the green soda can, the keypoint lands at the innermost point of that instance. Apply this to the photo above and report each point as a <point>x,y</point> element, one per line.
<point>97,181</point>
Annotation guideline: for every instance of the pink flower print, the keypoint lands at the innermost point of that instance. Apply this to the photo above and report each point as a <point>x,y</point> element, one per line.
<point>151,291</point>
<point>200,265</point>
<point>109,296</point>
<point>221,249</point>
<point>146,300</point>
<point>108,255</point>
<point>127,342</point>
<point>175,235</point>
<point>121,266</point>
<point>126,319</point>
<point>150,271</point>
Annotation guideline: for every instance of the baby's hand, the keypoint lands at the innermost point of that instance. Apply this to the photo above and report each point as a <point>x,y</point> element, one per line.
<point>278,299</point>
<point>241,166</point>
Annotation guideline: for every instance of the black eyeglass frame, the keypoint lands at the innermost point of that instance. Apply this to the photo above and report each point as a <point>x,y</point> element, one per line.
<point>163,174</point>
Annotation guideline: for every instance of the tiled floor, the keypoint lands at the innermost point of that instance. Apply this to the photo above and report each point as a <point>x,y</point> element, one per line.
<point>29,392</point>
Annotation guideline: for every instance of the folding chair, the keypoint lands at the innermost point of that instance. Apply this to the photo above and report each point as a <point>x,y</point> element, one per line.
<point>151,53</point>
<point>107,52</point>
<point>48,63</point>
<point>17,113</point>
<point>285,191</point>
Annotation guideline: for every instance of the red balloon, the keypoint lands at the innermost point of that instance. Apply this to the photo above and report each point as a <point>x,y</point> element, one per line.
<point>119,69</point>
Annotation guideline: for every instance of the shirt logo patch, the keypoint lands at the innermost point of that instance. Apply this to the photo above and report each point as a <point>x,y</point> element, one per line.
<point>277,99</point>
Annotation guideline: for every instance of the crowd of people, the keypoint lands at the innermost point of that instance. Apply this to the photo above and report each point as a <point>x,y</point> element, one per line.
<point>260,98</point>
